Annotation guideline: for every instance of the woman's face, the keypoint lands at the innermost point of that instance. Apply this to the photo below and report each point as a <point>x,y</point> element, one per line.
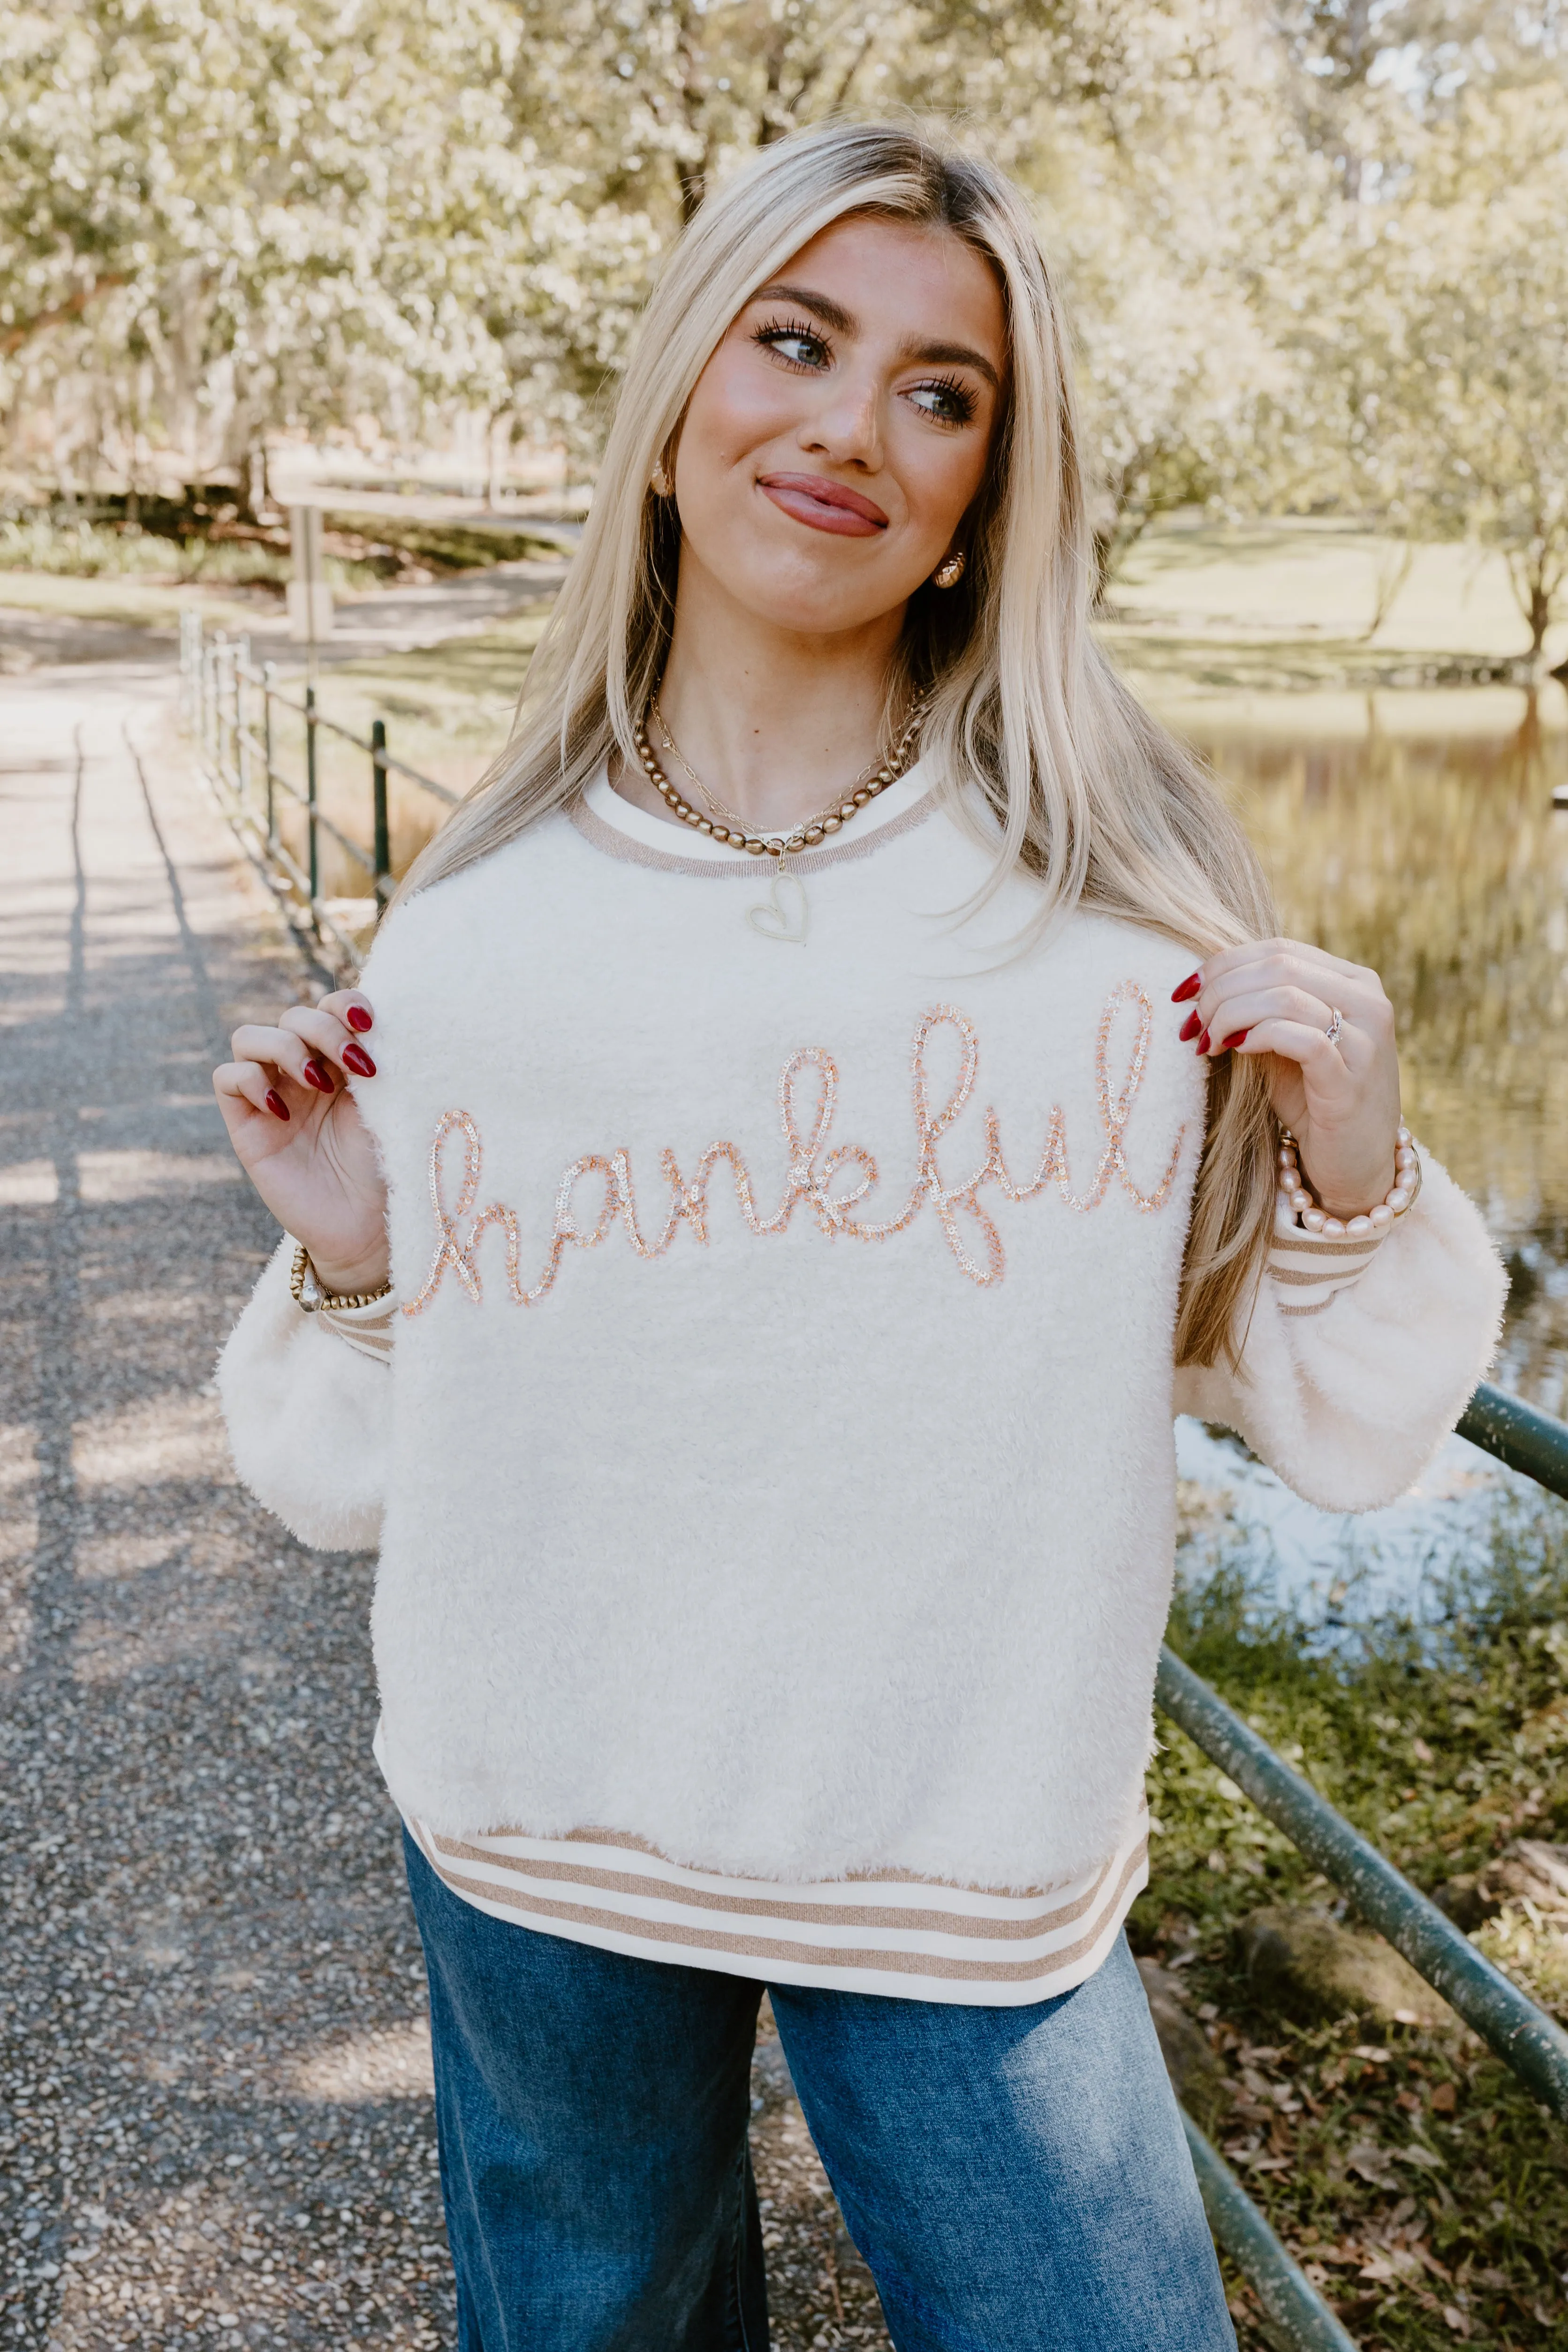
<point>838,434</point>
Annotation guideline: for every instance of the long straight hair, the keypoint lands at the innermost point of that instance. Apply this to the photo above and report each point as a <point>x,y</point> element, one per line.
<point>1092,796</point>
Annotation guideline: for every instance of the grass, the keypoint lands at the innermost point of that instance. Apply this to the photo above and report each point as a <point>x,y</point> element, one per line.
<point>1241,623</point>
<point>447,710</point>
<point>103,568</point>
<point>126,600</point>
<point>98,550</point>
<point>1421,2185</point>
<point>1289,606</point>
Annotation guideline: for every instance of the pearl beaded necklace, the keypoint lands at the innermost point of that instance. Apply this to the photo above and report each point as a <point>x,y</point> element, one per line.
<point>1395,1200</point>
<point>779,844</point>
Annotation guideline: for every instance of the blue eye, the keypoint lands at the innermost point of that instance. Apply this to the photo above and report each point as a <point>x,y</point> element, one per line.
<point>945,399</point>
<point>796,344</point>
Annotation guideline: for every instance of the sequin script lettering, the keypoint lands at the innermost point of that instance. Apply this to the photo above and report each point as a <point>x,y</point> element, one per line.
<point>816,1181</point>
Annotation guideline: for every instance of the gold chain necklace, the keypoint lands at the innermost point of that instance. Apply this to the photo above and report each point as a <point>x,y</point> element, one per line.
<point>773,919</point>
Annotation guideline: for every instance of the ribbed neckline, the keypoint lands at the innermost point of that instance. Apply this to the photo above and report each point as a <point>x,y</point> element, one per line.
<point>621,830</point>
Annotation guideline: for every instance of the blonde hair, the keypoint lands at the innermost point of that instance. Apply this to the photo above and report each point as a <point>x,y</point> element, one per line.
<point>1093,796</point>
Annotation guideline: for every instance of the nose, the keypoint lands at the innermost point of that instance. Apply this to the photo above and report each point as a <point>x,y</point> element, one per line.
<point>848,427</point>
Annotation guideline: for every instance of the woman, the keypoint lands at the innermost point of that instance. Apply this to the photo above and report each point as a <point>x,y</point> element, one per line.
<point>766,1247</point>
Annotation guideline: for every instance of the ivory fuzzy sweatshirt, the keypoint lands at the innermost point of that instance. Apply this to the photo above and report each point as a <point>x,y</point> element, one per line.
<point>769,1447</point>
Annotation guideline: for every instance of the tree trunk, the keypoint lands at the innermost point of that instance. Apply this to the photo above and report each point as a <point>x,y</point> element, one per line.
<point>1539,614</point>
<point>500,449</point>
<point>254,498</point>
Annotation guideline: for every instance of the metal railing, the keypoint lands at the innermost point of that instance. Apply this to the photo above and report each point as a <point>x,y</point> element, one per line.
<point>228,705</point>
<point>1524,2036</point>
<point>218,685</point>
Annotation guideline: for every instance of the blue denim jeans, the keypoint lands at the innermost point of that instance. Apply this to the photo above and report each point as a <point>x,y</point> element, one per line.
<point>1015,2179</point>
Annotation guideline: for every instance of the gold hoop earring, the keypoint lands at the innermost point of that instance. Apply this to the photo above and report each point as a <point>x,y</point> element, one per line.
<point>659,480</point>
<point>948,571</point>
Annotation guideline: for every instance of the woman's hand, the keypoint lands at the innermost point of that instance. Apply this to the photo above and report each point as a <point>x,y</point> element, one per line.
<point>293,1124</point>
<point>1339,1096</point>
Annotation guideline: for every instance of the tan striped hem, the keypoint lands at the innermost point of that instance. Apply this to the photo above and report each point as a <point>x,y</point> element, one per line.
<point>631,1844</point>
<point>1320,1295</point>
<point>368,1330</point>
<point>1339,1274</point>
<point>940,1952</point>
<point>765,1954</point>
<point>1312,1245</point>
<point>872,1918</point>
<point>1312,1271</point>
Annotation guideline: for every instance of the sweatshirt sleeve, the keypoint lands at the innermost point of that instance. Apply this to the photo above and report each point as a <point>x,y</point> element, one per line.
<point>309,1417</point>
<point>1348,1392</point>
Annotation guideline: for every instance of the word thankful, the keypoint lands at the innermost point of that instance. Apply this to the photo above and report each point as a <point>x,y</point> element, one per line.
<point>813,1170</point>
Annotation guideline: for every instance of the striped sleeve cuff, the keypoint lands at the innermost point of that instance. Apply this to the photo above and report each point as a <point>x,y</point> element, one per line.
<point>368,1330</point>
<point>1311,1269</point>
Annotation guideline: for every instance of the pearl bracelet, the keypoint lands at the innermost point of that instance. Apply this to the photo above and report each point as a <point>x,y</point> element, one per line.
<point>1299,1201</point>
<point>311,1294</point>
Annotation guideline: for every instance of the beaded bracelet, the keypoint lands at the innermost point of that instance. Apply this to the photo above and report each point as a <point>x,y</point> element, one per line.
<point>309,1293</point>
<point>1400,1196</point>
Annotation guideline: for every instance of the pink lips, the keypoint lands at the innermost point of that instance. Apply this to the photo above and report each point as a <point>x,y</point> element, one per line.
<point>825,506</point>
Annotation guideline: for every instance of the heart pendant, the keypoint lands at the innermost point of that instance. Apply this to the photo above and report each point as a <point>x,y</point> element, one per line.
<point>775,920</point>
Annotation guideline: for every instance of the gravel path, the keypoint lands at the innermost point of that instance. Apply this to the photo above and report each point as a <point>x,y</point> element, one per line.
<point>214,2077</point>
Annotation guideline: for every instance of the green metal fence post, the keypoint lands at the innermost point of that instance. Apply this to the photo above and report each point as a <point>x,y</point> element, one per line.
<point>1530,2042</point>
<point>241,747</point>
<point>187,673</point>
<point>226,715</point>
<point>1289,2297</point>
<point>267,675</point>
<point>382,851</point>
<point>312,860</point>
<point>215,653</point>
<point>1520,1435</point>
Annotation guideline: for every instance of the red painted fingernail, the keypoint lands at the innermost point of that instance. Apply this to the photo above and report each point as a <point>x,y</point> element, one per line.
<point>1204,1043</point>
<point>316,1076</point>
<point>356,1059</point>
<point>1231,1043</point>
<point>1189,1028</point>
<point>1189,987</point>
<point>276,1103</point>
<point>358,1016</point>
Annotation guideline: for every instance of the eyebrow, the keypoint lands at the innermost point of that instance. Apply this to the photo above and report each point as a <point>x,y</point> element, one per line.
<point>953,355</point>
<point>834,315</point>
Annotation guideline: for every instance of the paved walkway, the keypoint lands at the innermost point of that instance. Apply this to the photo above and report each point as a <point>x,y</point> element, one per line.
<point>214,2051</point>
<point>215,2110</point>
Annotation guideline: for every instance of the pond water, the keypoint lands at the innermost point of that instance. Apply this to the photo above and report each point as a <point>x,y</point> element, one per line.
<point>1417,834</point>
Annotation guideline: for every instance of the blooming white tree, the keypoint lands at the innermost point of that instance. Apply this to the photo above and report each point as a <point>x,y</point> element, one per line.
<point>1474,380</point>
<point>1313,260</point>
<point>227,217</point>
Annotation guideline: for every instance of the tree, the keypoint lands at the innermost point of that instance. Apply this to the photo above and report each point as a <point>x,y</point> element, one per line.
<point>1448,355</point>
<point>242,217</point>
<point>1483,292</point>
<point>219,222</point>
